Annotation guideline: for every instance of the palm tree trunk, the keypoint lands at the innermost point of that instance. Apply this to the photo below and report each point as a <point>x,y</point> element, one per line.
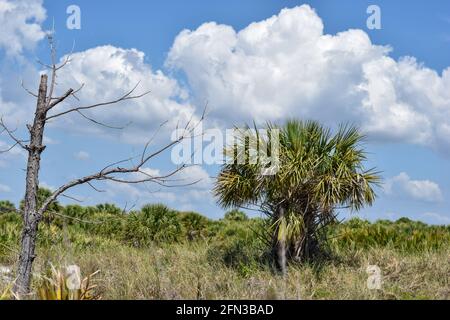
<point>306,246</point>
<point>280,245</point>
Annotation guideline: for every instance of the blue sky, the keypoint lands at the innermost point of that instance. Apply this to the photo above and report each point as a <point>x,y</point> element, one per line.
<point>326,73</point>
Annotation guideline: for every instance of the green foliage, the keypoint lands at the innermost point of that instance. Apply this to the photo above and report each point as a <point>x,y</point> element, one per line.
<point>236,240</point>
<point>195,225</point>
<point>403,235</point>
<point>54,286</point>
<point>317,171</point>
<point>236,215</point>
<point>7,207</point>
<point>10,231</point>
<point>75,211</point>
<point>237,244</point>
<point>108,208</point>
<point>242,254</point>
<point>42,195</point>
<point>154,223</point>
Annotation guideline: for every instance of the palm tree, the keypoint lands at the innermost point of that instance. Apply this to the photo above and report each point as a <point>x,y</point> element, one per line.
<point>318,173</point>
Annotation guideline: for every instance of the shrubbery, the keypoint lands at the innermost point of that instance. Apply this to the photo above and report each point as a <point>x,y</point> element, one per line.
<point>154,223</point>
<point>195,225</point>
<point>404,234</point>
<point>7,207</point>
<point>236,240</point>
<point>236,215</point>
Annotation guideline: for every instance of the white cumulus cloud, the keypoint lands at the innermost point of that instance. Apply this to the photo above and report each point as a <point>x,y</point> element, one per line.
<point>4,188</point>
<point>107,73</point>
<point>403,186</point>
<point>20,22</point>
<point>82,155</point>
<point>286,66</point>
<point>436,218</point>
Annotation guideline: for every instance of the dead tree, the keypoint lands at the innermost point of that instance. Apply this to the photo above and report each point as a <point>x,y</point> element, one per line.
<point>46,109</point>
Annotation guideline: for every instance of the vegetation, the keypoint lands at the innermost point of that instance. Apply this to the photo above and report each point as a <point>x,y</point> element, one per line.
<point>317,172</point>
<point>55,286</point>
<point>199,258</point>
<point>160,253</point>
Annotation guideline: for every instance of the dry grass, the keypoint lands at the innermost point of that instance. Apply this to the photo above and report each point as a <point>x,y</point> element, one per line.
<point>185,271</point>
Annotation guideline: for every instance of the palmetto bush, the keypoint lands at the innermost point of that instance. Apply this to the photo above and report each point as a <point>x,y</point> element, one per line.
<point>10,226</point>
<point>403,235</point>
<point>236,215</point>
<point>7,207</point>
<point>318,172</point>
<point>55,286</point>
<point>154,223</point>
<point>195,225</point>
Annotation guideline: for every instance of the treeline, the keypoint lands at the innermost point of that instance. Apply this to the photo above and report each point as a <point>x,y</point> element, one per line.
<point>236,239</point>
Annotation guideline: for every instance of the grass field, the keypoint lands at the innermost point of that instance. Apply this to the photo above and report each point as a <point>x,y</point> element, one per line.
<point>159,253</point>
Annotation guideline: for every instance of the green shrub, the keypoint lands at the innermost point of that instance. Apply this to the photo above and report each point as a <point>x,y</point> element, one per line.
<point>195,225</point>
<point>10,231</point>
<point>7,207</point>
<point>42,195</point>
<point>108,208</point>
<point>154,223</point>
<point>245,255</point>
<point>236,215</point>
<point>404,235</point>
<point>105,224</point>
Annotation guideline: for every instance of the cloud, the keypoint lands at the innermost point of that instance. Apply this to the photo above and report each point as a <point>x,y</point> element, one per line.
<point>107,73</point>
<point>403,186</point>
<point>196,175</point>
<point>82,156</point>
<point>436,218</point>
<point>115,190</point>
<point>20,31</point>
<point>46,185</point>
<point>49,140</point>
<point>4,188</point>
<point>20,22</point>
<point>286,66</point>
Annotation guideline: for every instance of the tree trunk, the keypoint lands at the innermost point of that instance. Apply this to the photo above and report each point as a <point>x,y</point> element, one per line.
<point>31,214</point>
<point>306,247</point>
<point>280,246</point>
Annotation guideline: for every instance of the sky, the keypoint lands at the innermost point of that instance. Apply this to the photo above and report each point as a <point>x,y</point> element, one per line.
<point>248,60</point>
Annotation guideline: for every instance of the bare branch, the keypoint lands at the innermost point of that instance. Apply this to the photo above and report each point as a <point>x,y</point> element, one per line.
<point>68,58</point>
<point>58,100</point>
<point>53,67</point>
<point>11,135</point>
<point>115,163</point>
<point>74,218</point>
<point>151,140</point>
<point>126,210</point>
<point>156,179</point>
<point>103,124</point>
<point>111,171</point>
<point>52,102</point>
<point>71,198</point>
<point>9,149</point>
<point>28,91</point>
<point>43,64</point>
<point>125,97</point>
<point>95,189</point>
